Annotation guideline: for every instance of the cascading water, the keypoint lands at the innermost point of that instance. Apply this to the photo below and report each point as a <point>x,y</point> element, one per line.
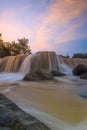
<point>72,62</point>
<point>67,64</point>
<point>47,60</point>
<point>3,62</point>
<point>25,67</point>
<point>65,69</point>
<point>11,63</point>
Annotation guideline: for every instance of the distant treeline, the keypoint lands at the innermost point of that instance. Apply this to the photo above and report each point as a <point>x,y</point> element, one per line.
<point>76,55</point>
<point>80,55</point>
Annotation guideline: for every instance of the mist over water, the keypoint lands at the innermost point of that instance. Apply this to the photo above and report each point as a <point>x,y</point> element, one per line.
<point>10,77</point>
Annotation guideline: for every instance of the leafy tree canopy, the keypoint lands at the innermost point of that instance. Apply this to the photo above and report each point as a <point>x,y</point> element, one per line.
<point>14,48</point>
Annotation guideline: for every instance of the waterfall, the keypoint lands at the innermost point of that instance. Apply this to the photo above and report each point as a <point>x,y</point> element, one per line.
<point>25,67</point>
<point>44,59</point>
<point>67,64</point>
<point>11,63</point>
<point>65,69</point>
<point>3,62</point>
<point>72,62</point>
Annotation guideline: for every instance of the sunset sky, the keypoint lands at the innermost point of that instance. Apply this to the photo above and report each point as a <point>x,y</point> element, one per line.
<point>57,25</point>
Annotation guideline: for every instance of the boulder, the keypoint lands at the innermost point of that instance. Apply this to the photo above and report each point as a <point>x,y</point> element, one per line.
<point>42,74</point>
<point>57,73</point>
<point>13,118</point>
<point>83,76</point>
<point>80,69</point>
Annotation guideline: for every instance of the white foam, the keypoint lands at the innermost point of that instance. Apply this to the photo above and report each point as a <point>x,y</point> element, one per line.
<point>65,69</point>
<point>10,77</point>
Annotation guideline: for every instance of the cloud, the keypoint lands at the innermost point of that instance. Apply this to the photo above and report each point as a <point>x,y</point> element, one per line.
<point>62,20</point>
<point>62,11</point>
<point>71,33</point>
<point>58,22</point>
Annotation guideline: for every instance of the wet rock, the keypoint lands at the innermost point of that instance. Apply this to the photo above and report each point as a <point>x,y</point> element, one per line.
<point>80,69</point>
<point>83,96</point>
<point>83,93</point>
<point>4,128</point>
<point>42,74</point>
<point>83,76</point>
<point>13,118</point>
<point>57,73</point>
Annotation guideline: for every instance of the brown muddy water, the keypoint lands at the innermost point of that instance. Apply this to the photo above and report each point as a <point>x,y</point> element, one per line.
<point>60,104</point>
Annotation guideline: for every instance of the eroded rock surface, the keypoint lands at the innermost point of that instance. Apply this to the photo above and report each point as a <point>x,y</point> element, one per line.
<point>13,118</point>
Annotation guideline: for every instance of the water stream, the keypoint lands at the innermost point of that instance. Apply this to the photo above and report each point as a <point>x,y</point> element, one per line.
<point>60,104</point>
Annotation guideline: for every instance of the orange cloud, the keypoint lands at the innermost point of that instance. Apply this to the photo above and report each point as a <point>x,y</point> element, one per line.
<point>59,14</point>
<point>42,36</point>
<point>62,11</point>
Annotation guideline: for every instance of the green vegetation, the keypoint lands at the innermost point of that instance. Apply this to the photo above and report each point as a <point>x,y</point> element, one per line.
<point>80,55</point>
<point>14,48</point>
<point>4,51</point>
<point>67,56</point>
<point>76,55</point>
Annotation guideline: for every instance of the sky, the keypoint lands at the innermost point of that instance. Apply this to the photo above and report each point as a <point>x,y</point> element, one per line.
<point>53,25</point>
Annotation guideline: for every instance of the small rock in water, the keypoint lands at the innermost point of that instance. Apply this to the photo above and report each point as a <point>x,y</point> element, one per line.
<point>57,73</point>
<point>83,96</point>
<point>82,92</point>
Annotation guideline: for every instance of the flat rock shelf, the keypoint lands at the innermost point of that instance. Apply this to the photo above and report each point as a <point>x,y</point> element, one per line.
<point>13,118</point>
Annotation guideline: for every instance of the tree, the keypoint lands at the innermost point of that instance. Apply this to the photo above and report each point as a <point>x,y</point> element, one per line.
<point>14,48</point>
<point>21,47</point>
<point>4,51</point>
<point>67,56</point>
<point>80,55</point>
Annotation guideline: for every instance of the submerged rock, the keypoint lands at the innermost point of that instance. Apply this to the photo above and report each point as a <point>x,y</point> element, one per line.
<point>82,92</point>
<point>80,69</point>
<point>83,76</point>
<point>57,73</point>
<point>13,118</point>
<point>42,74</point>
